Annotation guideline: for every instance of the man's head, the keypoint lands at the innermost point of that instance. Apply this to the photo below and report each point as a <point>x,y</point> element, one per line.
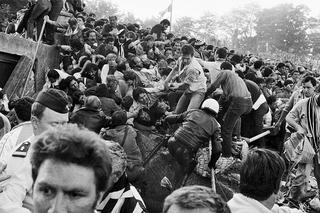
<point>22,108</point>
<point>261,173</point>
<point>221,53</point>
<point>113,20</point>
<point>198,199</point>
<point>226,66</point>
<point>309,84</point>
<point>70,170</point>
<point>50,109</point>
<point>109,41</point>
<point>165,23</point>
<point>53,75</point>
<point>187,52</point>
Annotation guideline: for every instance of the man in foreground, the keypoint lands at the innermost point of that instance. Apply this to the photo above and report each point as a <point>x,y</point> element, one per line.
<point>49,110</point>
<point>194,199</point>
<point>70,169</point>
<point>260,178</point>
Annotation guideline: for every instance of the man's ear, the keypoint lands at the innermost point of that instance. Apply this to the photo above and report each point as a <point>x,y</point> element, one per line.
<point>34,121</point>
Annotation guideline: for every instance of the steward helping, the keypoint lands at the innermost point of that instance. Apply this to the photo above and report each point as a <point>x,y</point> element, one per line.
<point>198,127</point>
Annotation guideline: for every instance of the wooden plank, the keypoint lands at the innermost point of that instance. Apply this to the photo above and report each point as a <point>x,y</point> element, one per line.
<point>18,77</point>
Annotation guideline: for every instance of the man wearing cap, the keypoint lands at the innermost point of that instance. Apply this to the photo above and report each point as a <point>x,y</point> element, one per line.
<point>49,110</point>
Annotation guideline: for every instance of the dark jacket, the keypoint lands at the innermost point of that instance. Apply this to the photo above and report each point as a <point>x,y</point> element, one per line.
<point>198,127</point>
<point>109,106</point>
<point>89,118</point>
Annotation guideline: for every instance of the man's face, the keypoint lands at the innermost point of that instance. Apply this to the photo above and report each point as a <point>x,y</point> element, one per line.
<point>80,21</point>
<point>143,98</point>
<point>177,209</point>
<point>64,188</point>
<point>308,89</point>
<point>113,21</point>
<point>186,59</point>
<point>295,76</point>
<point>48,120</point>
<point>92,37</point>
<point>110,44</point>
<point>74,85</point>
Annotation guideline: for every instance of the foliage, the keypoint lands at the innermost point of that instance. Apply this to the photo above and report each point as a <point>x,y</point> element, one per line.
<point>284,27</point>
<point>102,8</point>
<point>184,26</point>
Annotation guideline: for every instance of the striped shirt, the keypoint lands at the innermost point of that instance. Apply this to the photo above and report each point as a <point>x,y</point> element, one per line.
<point>123,198</point>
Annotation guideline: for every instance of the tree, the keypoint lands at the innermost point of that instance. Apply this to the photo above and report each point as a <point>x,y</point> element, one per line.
<point>207,27</point>
<point>184,26</point>
<point>102,8</point>
<point>284,27</point>
<point>240,25</point>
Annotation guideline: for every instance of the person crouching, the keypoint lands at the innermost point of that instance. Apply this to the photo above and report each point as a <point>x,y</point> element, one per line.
<point>199,126</point>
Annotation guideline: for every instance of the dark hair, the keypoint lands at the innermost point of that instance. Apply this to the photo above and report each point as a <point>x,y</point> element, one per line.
<point>76,44</point>
<point>137,91</point>
<point>236,59</point>
<point>222,53</point>
<point>75,145</point>
<point>129,75</point>
<point>271,99</point>
<point>53,74</point>
<point>22,107</point>
<point>109,39</point>
<point>226,66</point>
<point>127,102</point>
<point>119,118</point>
<point>267,72</point>
<point>310,79</point>
<point>261,173</point>
<point>165,22</point>
<point>269,80</point>
<point>258,64</point>
<point>187,49</point>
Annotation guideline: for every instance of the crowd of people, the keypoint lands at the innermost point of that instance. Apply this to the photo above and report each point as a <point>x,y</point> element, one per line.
<point>116,79</point>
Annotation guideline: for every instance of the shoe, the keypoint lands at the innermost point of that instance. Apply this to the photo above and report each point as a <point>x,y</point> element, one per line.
<point>223,163</point>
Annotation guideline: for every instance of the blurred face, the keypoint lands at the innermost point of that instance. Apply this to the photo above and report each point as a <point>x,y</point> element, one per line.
<point>177,209</point>
<point>74,85</point>
<point>122,39</point>
<point>92,37</point>
<point>172,64</point>
<point>308,89</point>
<point>289,86</point>
<point>113,21</point>
<point>80,22</point>
<point>110,44</point>
<point>143,98</point>
<point>138,62</point>
<point>49,119</point>
<point>186,59</point>
<point>295,76</point>
<point>168,53</point>
<point>64,188</point>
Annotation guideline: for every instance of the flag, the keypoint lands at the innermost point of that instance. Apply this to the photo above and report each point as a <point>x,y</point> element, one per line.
<point>168,10</point>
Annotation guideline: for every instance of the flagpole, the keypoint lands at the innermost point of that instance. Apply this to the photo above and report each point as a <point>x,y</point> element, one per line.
<point>171,16</point>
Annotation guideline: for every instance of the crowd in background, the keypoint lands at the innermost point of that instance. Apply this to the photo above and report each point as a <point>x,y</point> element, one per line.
<point>118,78</point>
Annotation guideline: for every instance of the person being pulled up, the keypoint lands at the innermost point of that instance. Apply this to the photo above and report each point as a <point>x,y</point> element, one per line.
<point>198,127</point>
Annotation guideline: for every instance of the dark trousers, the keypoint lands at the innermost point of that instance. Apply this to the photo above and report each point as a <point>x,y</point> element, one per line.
<point>238,106</point>
<point>183,155</point>
<point>254,124</point>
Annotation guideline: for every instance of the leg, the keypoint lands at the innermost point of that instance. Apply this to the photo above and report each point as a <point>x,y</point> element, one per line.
<point>54,13</point>
<point>183,103</point>
<point>196,100</point>
<point>258,122</point>
<point>238,106</point>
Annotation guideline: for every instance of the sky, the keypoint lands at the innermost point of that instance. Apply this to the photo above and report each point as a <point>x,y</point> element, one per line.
<point>144,9</point>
